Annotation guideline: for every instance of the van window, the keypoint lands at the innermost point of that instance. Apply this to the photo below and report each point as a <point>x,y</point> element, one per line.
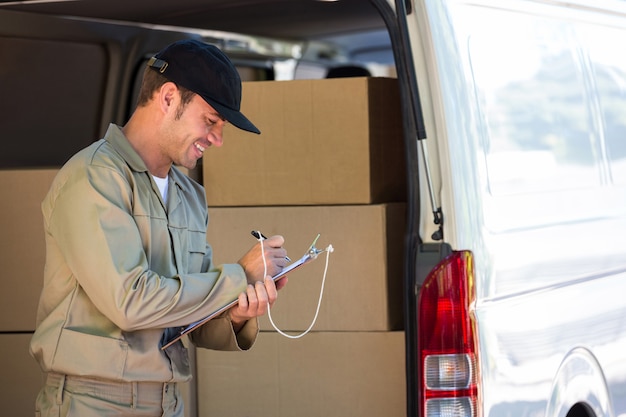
<point>608,67</point>
<point>52,99</point>
<point>534,100</point>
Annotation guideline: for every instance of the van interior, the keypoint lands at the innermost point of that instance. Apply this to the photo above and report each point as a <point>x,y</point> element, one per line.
<point>267,40</point>
<point>71,67</point>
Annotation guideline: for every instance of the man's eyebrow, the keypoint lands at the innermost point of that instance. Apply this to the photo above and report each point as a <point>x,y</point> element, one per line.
<point>215,114</point>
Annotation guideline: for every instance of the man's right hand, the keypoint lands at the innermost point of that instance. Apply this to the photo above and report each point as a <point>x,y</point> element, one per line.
<point>275,258</point>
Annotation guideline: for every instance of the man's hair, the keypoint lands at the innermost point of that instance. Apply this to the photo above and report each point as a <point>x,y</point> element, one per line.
<point>152,81</point>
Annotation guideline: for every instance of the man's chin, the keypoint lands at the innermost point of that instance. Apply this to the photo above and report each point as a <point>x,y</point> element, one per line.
<point>187,164</point>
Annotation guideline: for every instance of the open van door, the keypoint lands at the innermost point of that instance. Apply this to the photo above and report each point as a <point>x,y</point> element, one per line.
<point>73,69</point>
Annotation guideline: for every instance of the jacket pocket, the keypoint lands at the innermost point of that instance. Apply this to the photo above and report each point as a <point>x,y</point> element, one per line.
<point>197,248</point>
<point>81,353</point>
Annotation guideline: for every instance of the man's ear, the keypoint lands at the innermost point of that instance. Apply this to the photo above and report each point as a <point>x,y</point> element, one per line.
<point>168,97</point>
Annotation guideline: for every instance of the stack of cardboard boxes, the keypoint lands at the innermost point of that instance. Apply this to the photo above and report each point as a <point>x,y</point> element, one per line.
<point>329,161</point>
<point>22,256</point>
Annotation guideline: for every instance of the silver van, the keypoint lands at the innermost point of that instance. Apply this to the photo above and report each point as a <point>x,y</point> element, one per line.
<point>514,124</point>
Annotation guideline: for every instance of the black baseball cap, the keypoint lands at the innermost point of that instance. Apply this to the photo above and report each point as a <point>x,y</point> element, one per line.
<point>208,72</point>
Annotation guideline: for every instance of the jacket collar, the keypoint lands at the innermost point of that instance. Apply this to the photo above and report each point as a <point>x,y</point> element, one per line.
<point>120,143</point>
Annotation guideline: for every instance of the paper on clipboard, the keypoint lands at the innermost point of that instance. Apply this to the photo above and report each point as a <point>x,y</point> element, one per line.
<point>310,255</point>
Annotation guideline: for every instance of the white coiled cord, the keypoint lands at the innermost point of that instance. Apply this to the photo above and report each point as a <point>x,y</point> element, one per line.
<point>328,250</point>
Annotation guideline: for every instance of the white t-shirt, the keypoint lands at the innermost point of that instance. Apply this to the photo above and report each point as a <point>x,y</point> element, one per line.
<point>162,183</point>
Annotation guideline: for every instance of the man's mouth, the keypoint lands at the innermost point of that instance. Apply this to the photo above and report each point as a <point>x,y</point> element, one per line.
<point>199,147</point>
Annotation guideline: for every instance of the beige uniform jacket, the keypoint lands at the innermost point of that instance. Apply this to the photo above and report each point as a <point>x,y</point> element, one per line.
<point>124,271</point>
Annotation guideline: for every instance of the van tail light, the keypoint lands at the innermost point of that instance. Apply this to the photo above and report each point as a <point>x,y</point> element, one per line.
<point>448,382</point>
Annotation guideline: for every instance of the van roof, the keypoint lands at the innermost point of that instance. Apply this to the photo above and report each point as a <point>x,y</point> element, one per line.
<point>295,19</point>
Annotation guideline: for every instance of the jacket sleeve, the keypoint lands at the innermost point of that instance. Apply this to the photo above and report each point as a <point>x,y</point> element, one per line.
<point>218,334</point>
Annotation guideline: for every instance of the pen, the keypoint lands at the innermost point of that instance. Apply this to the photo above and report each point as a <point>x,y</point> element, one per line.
<point>260,235</point>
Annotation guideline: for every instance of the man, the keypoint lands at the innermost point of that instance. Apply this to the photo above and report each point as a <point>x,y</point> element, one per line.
<point>127,261</point>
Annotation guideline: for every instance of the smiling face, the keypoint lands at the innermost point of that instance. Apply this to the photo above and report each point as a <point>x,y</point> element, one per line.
<point>190,130</point>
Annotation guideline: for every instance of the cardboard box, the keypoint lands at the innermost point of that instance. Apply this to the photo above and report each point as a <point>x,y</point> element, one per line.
<point>22,248</point>
<point>363,289</point>
<point>322,374</point>
<point>334,141</point>
<point>20,378</point>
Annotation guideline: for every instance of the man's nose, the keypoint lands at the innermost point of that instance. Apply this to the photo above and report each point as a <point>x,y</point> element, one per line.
<point>215,134</point>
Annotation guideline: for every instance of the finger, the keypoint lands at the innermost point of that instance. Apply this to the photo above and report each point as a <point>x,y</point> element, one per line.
<point>243,300</point>
<point>253,300</point>
<point>280,262</point>
<point>270,288</point>
<point>274,249</point>
<point>275,241</point>
<point>281,283</point>
<point>262,297</point>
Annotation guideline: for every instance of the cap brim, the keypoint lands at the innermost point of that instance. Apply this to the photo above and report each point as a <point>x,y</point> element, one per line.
<point>234,117</point>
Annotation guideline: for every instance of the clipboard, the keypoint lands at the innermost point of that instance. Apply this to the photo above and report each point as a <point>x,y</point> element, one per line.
<point>310,255</point>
